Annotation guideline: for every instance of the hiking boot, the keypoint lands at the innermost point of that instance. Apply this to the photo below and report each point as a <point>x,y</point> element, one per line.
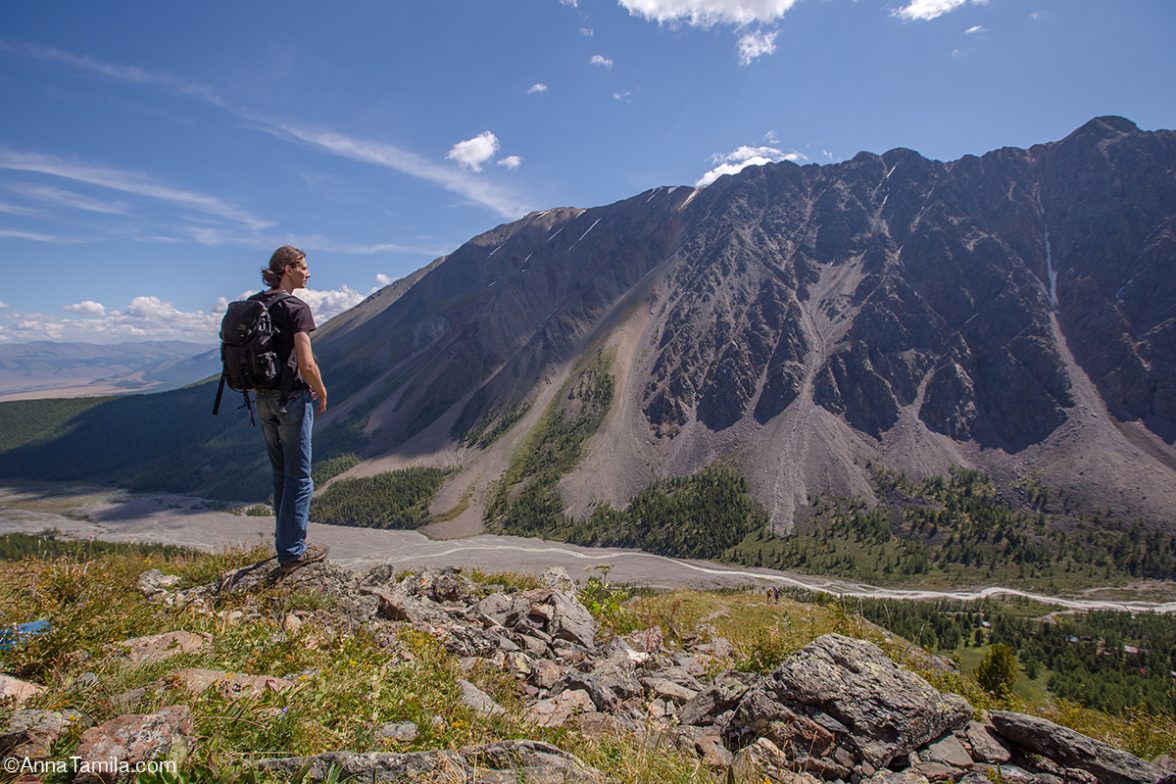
<point>312,554</point>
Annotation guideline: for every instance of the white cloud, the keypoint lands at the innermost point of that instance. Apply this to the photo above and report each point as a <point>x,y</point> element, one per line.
<point>537,87</point>
<point>1035,15</point>
<point>135,183</point>
<point>3,305</point>
<point>741,157</point>
<point>623,96</point>
<point>976,29</point>
<point>570,3</point>
<point>511,162</point>
<point>705,13</point>
<point>771,138</point>
<point>587,32</point>
<point>385,280</point>
<point>328,304</point>
<point>756,44</point>
<point>86,308</point>
<point>150,317</point>
<point>599,59</point>
<point>472,153</point>
<point>926,10</point>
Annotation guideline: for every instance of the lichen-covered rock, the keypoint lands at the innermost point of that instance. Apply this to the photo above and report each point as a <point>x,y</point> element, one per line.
<point>230,685</point>
<point>1073,749</point>
<point>722,695</point>
<point>763,760</point>
<point>984,744</point>
<point>132,738</point>
<point>31,733</point>
<point>157,647</point>
<point>506,762</point>
<point>154,584</point>
<point>884,710</point>
<point>559,710</point>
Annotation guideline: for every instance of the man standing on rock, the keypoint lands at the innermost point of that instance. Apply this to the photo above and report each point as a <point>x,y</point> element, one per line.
<point>287,417</point>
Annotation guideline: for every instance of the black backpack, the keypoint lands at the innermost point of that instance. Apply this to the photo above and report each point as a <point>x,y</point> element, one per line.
<point>249,350</point>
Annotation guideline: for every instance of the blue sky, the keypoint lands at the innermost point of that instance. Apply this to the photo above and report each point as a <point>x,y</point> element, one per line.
<point>153,154</point>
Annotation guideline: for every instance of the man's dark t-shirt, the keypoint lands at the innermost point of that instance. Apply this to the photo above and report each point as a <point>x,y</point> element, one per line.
<point>290,316</point>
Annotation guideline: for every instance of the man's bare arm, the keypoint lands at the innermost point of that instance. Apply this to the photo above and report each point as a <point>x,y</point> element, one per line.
<point>310,370</point>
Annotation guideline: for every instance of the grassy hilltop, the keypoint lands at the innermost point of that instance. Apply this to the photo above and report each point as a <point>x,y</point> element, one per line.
<point>349,682</point>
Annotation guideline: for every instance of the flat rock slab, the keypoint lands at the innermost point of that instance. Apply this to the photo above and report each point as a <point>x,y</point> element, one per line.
<point>17,692</point>
<point>1073,749</point>
<point>506,762</point>
<point>885,710</point>
<point>157,647</point>
<point>132,738</point>
<point>230,685</point>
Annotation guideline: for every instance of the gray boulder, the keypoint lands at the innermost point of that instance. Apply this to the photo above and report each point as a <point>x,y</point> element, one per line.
<point>721,696</point>
<point>31,733</point>
<point>1073,749</point>
<point>506,762</point>
<point>884,710</point>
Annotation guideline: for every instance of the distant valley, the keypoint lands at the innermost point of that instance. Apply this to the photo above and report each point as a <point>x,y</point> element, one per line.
<point>49,369</point>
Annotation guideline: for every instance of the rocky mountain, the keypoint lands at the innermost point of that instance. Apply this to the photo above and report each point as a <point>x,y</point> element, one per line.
<point>1012,312</point>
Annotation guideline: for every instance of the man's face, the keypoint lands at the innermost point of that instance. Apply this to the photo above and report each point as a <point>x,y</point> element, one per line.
<point>299,274</point>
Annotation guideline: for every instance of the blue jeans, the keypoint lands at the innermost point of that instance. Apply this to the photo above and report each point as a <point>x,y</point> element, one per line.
<point>287,439</point>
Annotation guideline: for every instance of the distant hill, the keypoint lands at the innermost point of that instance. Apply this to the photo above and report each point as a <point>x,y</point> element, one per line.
<point>804,325</point>
<point>48,369</point>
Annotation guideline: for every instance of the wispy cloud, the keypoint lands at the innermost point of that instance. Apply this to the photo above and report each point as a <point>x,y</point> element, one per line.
<point>537,87</point>
<point>974,29</point>
<point>499,199</point>
<point>625,97</point>
<point>24,212</point>
<point>741,157</point>
<point>382,154</point>
<point>32,236</point>
<point>601,60</point>
<point>121,73</point>
<point>135,183</point>
<point>755,45</point>
<point>215,237</point>
<point>64,198</point>
<point>587,32</point>
<point>472,153</point>
<point>511,162</point>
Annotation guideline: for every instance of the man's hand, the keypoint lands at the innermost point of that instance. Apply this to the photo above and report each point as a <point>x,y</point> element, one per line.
<point>321,408</point>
